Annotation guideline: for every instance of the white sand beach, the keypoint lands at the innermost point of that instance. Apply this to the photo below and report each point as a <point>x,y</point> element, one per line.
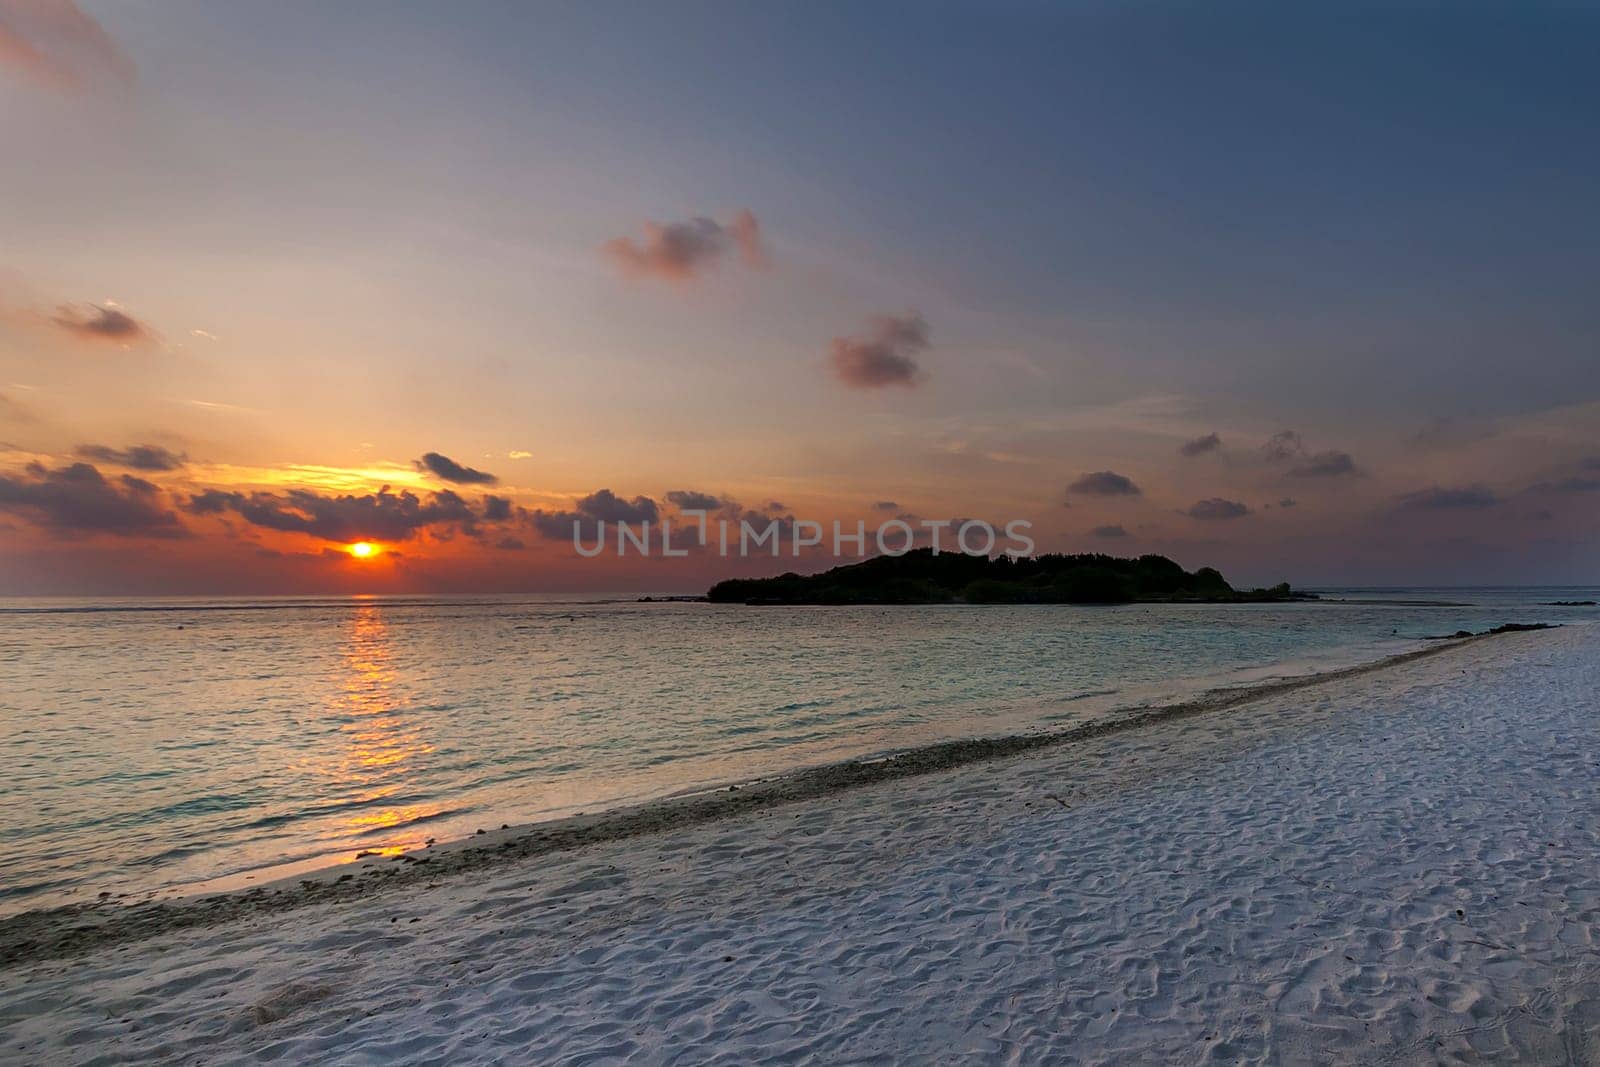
<point>1401,866</point>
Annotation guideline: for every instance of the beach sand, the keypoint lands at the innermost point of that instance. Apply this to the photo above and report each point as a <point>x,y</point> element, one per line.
<point>1397,865</point>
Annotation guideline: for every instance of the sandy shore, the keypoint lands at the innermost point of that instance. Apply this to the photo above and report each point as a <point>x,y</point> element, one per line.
<point>1388,865</point>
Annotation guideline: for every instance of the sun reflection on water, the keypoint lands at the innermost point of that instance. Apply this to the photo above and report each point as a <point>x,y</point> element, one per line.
<point>384,740</point>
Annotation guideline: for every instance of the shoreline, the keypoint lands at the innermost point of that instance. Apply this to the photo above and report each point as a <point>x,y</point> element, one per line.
<point>1041,717</point>
<point>75,929</point>
<point>1396,867</point>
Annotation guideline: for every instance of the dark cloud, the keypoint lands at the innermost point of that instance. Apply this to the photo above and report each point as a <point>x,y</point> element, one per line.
<point>496,508</point>
<point>381,516</point>
<point>689,500</point>
<point>1330,464</point>
<point>1288,502</point>
<point>884,355</point>
<point>1109,532</point>
<point>1217,509</point>
<point>211,502</point>
<point>604,504</point>
<point>777,505</point>
<point>1468,498</point>
<point>885,505</point>
<point>759,522</point>
<point>56,46</point>
<point>134,457</point>
<point>1285,444</point>
<point>96,323</point>
<point>558,525</point>
<point>79,499</point>
<point>1104,483</point>
<point>510,544</point>
<point>1576,484</point>
<point>448,469</point>
<point>1201,445</point>
<point>682,251</point>
<point>597,507</point>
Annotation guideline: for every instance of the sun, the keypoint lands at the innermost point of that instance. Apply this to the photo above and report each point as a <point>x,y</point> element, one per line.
<point>363,550</point>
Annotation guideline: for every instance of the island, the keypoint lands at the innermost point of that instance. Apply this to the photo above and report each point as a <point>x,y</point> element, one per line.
<point>925,577</point>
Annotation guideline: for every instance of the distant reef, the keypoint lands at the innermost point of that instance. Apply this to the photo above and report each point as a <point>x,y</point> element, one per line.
<point>1503,628</point>
<point>921,577</point>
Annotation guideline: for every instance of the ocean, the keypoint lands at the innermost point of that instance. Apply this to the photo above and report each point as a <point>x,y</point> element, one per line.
<point>149,747</point>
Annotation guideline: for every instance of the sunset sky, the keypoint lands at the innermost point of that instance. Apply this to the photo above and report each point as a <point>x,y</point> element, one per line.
<point>1304,297</point>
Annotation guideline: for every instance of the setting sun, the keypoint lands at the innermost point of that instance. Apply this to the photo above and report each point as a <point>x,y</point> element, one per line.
<point>363,550</point>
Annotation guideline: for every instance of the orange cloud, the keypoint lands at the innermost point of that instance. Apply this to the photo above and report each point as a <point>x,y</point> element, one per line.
<point>310,476</point>
<point>55,46</point>
<point>11,411</point>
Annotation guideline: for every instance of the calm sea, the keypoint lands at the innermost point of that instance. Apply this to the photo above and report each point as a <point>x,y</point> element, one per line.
<point>151,746</point>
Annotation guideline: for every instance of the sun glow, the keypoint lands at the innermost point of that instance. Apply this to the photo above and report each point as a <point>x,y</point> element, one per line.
<point>363,550</point>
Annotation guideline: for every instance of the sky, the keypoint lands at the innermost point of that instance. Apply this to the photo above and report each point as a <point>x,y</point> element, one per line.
<point>1302,293</point>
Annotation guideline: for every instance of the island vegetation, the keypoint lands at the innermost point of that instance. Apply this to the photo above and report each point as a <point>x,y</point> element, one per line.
<point>923,577</point>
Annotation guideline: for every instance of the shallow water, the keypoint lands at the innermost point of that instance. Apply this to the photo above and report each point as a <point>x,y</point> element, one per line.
<point>147,745</point>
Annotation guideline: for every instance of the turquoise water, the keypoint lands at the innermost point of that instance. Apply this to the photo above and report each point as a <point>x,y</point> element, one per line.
<point>151,745</point>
